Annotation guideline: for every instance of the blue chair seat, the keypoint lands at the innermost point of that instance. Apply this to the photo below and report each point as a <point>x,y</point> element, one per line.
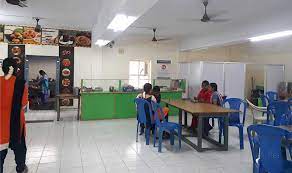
<point>235,119</point>
<point>165,126</point>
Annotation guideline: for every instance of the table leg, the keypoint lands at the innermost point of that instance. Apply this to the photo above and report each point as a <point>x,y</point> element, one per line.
<point>78,109</point>
<point>225,132</point>
<point>58,108</point>
<point>180,117</point>
<point>200,133</point>
<point>186,119</point>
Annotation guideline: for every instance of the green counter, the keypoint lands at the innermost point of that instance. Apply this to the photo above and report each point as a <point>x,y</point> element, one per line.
<point>102,105</point>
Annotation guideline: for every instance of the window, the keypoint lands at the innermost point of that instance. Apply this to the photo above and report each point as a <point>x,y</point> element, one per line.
<point>139,73</point>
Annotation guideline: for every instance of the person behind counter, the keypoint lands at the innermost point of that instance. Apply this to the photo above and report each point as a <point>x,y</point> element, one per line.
<point>44,85</point>
<point>147,95</point>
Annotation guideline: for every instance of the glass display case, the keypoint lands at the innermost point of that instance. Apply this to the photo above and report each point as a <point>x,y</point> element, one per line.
<point>100,85</point>
<point>170,84</point>
<point>125,85</point>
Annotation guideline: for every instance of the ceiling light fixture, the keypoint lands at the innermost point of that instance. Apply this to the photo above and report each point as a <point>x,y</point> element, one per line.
<point>101,42</point>
<point>121,22</point>
<point>271,36</point>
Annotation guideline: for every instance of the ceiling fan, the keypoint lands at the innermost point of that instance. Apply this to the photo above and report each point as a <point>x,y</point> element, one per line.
<point>21,3</point>
<point>38,27</point>
<point>155,39</point>
<point>210,18</point>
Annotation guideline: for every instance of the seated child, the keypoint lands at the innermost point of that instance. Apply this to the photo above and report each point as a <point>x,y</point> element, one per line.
<point>216,97</point>
<point>149,97</point>
<point>157,95</point>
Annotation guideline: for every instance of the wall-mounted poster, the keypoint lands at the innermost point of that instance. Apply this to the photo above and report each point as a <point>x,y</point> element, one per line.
<point>17,52</point>
<point>1,72</point>
<point>13,34</point>
<point>83,39</point>
<point>1,33</point>
<point>66,85</point>
<point>50,36</point>
<point>30,36</point>
<point>163,70</point>
<point>67,37</point>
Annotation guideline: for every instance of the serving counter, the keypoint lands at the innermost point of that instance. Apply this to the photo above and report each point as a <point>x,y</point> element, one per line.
<point>117,103</point>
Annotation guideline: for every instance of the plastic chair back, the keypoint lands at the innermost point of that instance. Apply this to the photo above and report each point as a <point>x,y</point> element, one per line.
<point>269,146</point>
<point>272,96</point>
<point>236,104</point>
<point>157,108</point>
<point>280,111</point>
<point>141,109</point>
<point>264,100</point>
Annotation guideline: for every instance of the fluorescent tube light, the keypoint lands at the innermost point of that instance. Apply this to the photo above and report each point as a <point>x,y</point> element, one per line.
<point>101,42</point>
<point>121,22</point>
<point>271,36</point>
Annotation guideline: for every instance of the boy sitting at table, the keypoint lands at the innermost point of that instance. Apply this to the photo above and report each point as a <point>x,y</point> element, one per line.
<point>157,95</point>
<point>204,96</point>
<point>216,97</point>
<point>147,95</point>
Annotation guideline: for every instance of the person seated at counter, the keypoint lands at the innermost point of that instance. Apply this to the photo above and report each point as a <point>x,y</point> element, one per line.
<point>204,96</point>
<point>147,95</point>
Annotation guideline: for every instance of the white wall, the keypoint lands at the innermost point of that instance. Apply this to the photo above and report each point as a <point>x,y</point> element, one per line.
<point>107,63</point>
<point>41,63</point>
<point>3,50</point>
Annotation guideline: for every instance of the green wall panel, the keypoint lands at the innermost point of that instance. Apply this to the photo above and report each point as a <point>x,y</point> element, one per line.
<point>125,106</point>
<point>97,106</point>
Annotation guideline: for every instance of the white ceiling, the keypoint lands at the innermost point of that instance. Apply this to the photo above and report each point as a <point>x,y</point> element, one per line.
<point>173,18</point>
<point>70,14</point>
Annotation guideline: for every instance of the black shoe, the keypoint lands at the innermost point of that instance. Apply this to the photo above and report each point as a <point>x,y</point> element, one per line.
<point>141,131</point>
<point>24,170</point>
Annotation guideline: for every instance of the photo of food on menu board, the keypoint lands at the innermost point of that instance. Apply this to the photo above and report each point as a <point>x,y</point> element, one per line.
<point>83,39</point>
<point>67,37</point>
<point>50,36</point>
<point>30,36</point>
<point>1,33</point>
<point>13,34</point>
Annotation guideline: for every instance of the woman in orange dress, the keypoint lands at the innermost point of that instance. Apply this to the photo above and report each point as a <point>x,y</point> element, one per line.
<point>14,98</point>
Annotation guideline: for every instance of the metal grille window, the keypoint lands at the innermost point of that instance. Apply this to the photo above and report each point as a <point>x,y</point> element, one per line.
<point>139,73</point>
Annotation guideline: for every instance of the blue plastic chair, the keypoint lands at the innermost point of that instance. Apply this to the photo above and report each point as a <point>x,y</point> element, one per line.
<point>265,102</point>
<point>266,142</point>
<point>272,96</point>
<point>234,118</point>
<point>163,126</point>
<point>281,113</point>
<point>141,119</point>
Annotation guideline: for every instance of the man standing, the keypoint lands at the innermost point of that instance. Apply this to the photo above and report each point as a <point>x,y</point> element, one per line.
<point>14,98</point>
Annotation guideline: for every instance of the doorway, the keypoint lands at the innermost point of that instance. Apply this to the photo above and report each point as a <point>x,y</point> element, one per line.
<point>42,74</point>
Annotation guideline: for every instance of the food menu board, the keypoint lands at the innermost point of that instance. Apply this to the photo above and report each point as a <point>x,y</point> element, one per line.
<point>1,33</point>
<point>30,36</point>
<point>66,55</point>
<point>27,35</point>
<point>67,37</point>
<point>13,34</point>
<point>17,52</point>
<point>50,36</point>
<point>83,39</point>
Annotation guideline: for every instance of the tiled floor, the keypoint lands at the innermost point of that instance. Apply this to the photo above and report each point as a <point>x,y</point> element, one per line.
<point>109,146</point>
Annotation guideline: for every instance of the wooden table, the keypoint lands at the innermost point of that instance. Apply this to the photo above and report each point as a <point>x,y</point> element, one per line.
<point>288,128</point>
<point>67,96</point>
<point>203,110</point>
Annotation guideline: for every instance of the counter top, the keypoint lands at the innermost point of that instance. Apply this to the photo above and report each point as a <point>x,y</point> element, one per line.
<point>119,92</point>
